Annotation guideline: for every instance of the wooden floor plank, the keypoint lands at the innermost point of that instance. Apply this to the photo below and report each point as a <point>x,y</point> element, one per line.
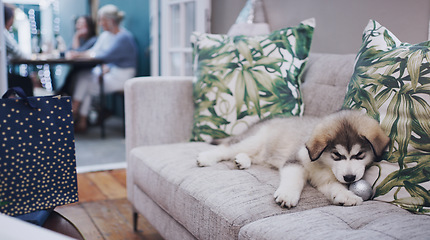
<point>108,185</point>
<point>87,190</point>
<point>110,221</point>
<point>79,217</point>
<point>103,211</point>
<point>143,226</point>
<point>120,176</point>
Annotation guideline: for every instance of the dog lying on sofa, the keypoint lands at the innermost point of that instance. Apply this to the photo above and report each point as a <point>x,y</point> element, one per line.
<point>329,153</point>
<point>184,201</point>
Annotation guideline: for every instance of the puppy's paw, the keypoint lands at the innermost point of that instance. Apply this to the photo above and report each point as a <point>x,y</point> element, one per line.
<point>207,159</point>
<point>242,161</point>
<point>347,198</point>
<point>287,198</point>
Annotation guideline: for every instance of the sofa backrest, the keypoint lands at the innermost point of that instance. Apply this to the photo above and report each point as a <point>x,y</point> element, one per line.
<point>325,82</point>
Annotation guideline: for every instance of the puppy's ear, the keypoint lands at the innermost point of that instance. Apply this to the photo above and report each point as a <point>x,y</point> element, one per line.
<point>318,141</point>
<point>372,131</point>
<point>315,148</point>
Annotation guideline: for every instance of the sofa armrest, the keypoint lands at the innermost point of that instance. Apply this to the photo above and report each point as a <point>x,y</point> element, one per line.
<point>158,110</point>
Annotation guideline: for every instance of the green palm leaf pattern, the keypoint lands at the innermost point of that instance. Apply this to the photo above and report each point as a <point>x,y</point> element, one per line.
<point>391,82</point>
<point>242,79</point>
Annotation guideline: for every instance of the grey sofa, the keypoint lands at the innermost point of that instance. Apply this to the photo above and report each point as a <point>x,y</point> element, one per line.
<point>183,201</point>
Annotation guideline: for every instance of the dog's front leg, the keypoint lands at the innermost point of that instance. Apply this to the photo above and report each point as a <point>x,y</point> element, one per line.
<point>339,194</point>
<point>211,157</point>
<point>293,179</point>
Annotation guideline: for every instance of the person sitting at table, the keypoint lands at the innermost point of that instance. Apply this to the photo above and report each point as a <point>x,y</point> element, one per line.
<point>14,52</point>
<point>83,39</point>
<point>118,49</point>
<point>85,34</point>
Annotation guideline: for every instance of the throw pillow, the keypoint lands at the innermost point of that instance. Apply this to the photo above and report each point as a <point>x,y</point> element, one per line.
<point>391,81</point>
<point>241,79</point>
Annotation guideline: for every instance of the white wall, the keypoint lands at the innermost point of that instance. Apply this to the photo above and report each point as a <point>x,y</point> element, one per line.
<point>339,23</point>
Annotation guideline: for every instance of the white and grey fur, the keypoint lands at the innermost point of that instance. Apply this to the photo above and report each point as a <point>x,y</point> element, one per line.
<point>328,152</point>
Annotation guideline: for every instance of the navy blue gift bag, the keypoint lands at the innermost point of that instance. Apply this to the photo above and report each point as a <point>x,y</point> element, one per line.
<point>37,153</point>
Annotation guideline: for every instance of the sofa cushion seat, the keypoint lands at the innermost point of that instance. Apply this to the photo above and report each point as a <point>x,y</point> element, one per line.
<point>372,220</point>
<point>211,202</point>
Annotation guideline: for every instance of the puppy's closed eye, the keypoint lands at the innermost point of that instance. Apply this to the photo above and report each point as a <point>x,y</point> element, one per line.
<point>337,156</point>
<point>359,156</point>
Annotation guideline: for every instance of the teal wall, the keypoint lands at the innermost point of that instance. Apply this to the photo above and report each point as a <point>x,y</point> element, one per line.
<point>137,22</point>
<point>69,10</point>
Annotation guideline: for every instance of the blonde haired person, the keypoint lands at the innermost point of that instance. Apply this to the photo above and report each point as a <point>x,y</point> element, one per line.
<point>117,48</point>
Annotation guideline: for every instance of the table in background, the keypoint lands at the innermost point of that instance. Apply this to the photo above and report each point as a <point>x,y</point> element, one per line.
<point>41,61</point>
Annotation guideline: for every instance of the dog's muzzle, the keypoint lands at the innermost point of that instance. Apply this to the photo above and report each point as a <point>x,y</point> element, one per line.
<point>349,178</point>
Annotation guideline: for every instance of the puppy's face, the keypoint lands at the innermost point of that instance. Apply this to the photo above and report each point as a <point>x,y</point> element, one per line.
<point>348,163</point>
<point>347,142</point>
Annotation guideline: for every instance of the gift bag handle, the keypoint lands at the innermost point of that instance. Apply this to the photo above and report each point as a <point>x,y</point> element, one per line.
<point>18,91</point>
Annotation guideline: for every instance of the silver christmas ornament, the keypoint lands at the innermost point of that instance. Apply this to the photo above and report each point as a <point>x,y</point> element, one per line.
<point>362,189</point>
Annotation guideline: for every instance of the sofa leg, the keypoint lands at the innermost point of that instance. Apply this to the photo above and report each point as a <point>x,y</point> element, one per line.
<point>135,217</point>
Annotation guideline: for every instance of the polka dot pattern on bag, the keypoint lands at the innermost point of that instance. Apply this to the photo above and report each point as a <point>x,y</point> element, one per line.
<point>37,154</point>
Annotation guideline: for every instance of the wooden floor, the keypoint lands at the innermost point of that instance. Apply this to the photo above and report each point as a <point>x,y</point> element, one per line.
<point>103,211</point>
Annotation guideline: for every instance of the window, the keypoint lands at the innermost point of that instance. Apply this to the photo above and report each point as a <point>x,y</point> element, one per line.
<point>172,22</point>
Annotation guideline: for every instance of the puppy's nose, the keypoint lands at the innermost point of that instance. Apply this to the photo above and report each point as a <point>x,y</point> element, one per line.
<point>349,178</point>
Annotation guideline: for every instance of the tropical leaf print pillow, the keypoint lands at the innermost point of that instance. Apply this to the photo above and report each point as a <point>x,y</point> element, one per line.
<point>391,81</point>
<point>241,79</point>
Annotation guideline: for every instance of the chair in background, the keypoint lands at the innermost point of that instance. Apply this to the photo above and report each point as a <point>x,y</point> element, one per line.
<point>110,104</point>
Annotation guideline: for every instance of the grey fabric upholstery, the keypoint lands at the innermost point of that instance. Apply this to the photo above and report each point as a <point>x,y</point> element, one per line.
<point>206,200</point>
<point>162,221</point>
<point>372,220</point>
<point>155,107</point>
<point>326,79</point>
<point>183,201</point>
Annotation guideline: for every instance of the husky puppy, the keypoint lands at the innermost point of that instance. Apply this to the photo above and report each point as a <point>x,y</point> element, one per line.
<point>329,153</point>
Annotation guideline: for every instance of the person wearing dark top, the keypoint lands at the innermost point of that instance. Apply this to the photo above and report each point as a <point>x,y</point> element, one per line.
<point>85,34</point>
<point>83,39</point>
